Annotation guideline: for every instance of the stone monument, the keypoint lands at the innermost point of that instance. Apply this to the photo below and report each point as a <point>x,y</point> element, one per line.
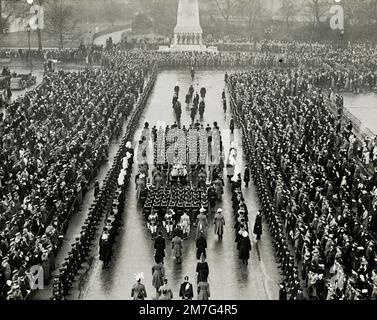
<point>188,34</point>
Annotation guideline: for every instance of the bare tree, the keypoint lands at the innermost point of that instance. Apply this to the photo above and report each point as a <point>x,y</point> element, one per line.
<point>360,12</point>
<point>39,34</point>
<point>10,10</point>
<point>112,11</point>
<point>288,10</point>
<point>226,8</point>
<point>60,22</point>
<point>253,8</point>
<point>317,8</point>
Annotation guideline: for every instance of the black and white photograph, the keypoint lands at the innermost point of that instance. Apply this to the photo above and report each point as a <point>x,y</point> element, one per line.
<point>188,150</point>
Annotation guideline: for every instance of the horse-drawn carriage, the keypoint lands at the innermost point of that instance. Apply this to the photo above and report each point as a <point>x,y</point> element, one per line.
<point>22,81</point>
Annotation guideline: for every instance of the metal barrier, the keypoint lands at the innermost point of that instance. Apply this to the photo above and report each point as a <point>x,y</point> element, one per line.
<point>355,121</point>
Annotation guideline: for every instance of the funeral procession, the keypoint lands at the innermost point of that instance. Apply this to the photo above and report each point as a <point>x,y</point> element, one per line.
<point>188,150</point>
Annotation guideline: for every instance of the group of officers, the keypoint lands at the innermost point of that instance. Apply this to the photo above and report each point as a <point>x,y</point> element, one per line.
<point>194,102</point>
<point>159,280</point>
<point>177,206</point>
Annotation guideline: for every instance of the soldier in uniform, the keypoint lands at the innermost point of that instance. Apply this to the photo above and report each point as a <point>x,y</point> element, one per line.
<point>192,72</point>
<point>219,222</point>
<point>202,223</point>
<point>258,225</point>
<point>105,247</point>
<point>202,178</point>
<point>203,92</point>
<point>191,92</point>
<point>202,106</point>
<point>178,111</point>
<point>231,125</point>
<point>185,224</point>
<point>176,89</point>
<point>152,223</point>
<point>169,222</point>
<point>138,291</point>
<point>212,196</point>
<point>246,177</point>
<point>177,248</point>
<point>201,246</point>
<point>159,247</point>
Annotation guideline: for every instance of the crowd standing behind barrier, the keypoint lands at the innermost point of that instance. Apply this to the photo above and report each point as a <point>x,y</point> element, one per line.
<point>319,197</point>
<point>52,145</point>
<point>54,140</point>
<point>109,202</point>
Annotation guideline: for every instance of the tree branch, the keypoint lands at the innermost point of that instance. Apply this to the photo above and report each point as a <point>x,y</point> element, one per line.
<point>220,10</point>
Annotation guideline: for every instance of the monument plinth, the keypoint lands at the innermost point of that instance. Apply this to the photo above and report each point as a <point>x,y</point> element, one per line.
<point>188,34</point>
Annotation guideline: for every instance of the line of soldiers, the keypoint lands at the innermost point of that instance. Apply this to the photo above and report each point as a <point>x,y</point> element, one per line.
<point>290,288</point>
<point>182,200</point>
<point>81,248</point>
<point>110,230</point>
<point>241,225</point>
<point>102,203</point>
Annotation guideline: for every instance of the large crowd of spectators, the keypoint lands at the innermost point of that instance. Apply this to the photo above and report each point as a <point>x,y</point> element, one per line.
<point>312,164</point>
<point>89,54</point>
<point>53,141</point>
<point>54,138</point>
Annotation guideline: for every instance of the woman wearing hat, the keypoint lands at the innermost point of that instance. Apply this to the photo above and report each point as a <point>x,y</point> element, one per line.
<point>176,245</point>
<point>202,223</point>
<point>219,222</point>
<point>158,275</point>
<point>244,247</point>
<point>169,222</point>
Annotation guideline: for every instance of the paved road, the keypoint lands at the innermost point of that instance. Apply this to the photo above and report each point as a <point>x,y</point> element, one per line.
<point>133,252</point>
<point>364,107</point>
<point>116,36</point>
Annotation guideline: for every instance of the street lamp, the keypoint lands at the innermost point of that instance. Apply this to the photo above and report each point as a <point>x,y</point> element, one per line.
<point>341,35</point>
<point>37,16</point>
<point>28,37</point>
<point>341,39</point>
